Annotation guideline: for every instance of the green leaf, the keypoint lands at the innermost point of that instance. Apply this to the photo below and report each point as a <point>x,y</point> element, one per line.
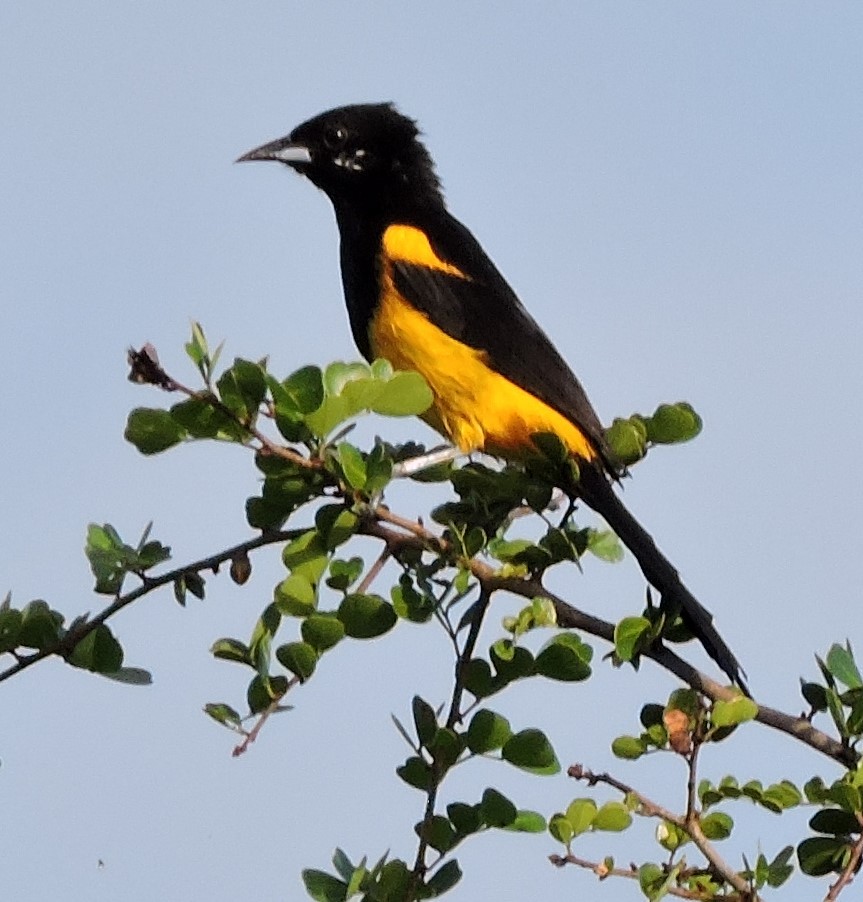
<point>511,662</point>
<point>509,550</point>
<point>338,375</point>
<point>465,818</point>
<point>242,388</point>
<point>653,881</point>
<point>815,695</point>
<point>821,855</point>
<point>445,747</point>
<point>110,558</point>
<point>366,616</point>
<point>670,836</point>
<point>728,714</point>
<point>487,732</point>
<point>530,750</point>
<point>410,604</point>
<point>628,439</point>
<point>425,720</point>
<point>131,676</point>
<point>686,700</point>
<point>438,832</point>
<point>201,419</point>
<point>836,821</point>
<point>496,809</point>
<point>295,596</point>
<point>477,678</point>
<point>298,657</point>
<point>305,388</point>
<point>605,545</point>
<point>673,423</point>
<point>629,636</point>
<point>40,626</point>
<point>628,747</point>
<point>779,870</point>
<point>322,631</point>
<point>231,650</point>
<point>98,651</point>
<point>846,796</point>
<point>343,574</point>
<point>152,430</point>
<point>393,882</point>
<point>815,791</point>
<point>580,815</point>
<point>10,628</point>
<point>330,414</point>
<point>840,661</point>
<point>336,524</point>
<point>342,864</point>
<point>717,825</point>
<point>353,466</point>
<point>528,822</point>
<point>263,691</point>
<point>307,556</point>
<point>416,772</point>
<point>651,715</point>
<point>784,794</point>
<point>565,657</point>
<point>406,394</point>
<point>323,887</point>
<point>612,817</point>
<point>223,714</point>
<point>443,879</point>
<point>560,828</point>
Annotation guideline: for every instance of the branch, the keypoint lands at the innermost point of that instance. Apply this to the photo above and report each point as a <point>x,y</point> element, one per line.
<point>453,717</point>
<point>851,868</point>
<point>602,871</point>
<point>415,535</point>
<point>65,646</point>
<point>274,706</point>
<point>690,824</point>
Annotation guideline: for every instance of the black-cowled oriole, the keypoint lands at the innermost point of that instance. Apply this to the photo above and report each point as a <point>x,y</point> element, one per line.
<point>422,293</point>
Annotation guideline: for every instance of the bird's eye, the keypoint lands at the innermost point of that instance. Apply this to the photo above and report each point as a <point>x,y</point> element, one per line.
<point>335,137</point>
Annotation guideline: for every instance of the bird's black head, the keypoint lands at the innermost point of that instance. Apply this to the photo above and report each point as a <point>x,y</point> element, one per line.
<point>365,156</point>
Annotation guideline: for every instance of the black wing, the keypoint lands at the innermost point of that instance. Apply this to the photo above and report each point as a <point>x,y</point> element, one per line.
<point>482,311</point>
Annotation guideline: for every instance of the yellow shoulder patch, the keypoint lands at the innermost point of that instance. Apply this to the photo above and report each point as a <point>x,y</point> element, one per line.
<point>411,245</point>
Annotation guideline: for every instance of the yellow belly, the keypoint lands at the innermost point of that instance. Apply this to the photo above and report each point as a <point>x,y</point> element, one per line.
<point>474,407</point>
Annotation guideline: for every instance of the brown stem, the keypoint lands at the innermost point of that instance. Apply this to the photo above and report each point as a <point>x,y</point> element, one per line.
<point>374,570</point>
<point>690,824</point>
<point>74,636</point>
<point>418,537</point>
<point>265,715</point>
<point>453,717</point>
<point>602,872</point>
<point>850,869</point>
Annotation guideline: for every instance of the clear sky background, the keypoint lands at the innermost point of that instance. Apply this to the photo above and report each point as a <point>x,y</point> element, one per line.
<point>674,189</point>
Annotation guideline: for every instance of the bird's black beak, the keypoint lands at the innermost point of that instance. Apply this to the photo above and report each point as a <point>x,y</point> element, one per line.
<point>283,150</point>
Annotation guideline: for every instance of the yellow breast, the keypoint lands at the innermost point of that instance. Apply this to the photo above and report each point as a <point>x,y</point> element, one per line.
<point>474,407</point>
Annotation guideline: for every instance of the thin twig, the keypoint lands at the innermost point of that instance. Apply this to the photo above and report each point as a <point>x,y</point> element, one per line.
<point>374,570</point>
<point>850,869</point>
<point>648,807</point>
<point>73,637</point>
<point>453,717</point>
<point>264,716</point>
<point>690,824</point>
<point>570,617</point>
<point>602,871</point>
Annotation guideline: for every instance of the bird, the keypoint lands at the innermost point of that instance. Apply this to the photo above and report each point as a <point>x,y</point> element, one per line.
<point>421,292</point>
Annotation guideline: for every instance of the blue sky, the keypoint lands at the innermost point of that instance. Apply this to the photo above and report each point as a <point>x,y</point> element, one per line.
<point>675,191</point>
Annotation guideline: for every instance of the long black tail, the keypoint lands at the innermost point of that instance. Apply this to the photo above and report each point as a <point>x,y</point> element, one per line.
<point>595,488</point>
